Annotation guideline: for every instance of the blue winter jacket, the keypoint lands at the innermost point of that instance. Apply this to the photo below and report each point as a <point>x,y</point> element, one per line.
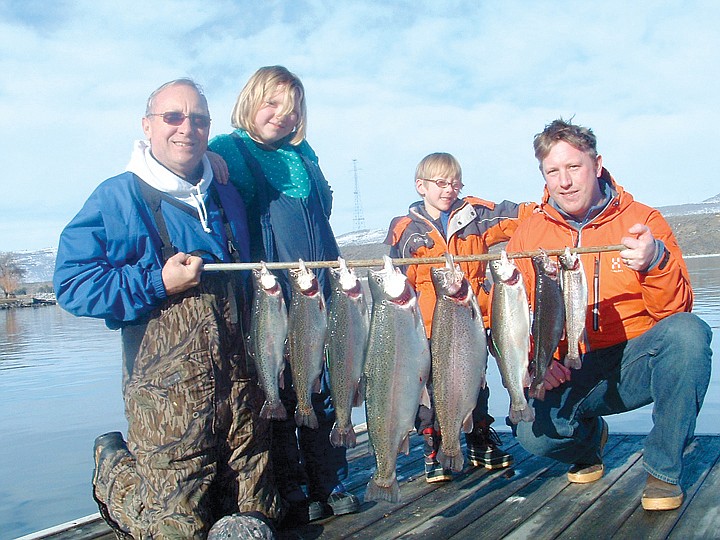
<point>109,263</point>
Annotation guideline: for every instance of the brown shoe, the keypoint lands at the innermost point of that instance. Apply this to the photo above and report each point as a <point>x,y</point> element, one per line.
<point>585,473</point>
<point>659,495</point>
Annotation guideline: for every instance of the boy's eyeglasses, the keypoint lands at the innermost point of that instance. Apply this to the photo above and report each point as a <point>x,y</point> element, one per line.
<point>442,183</point>
<point>174,118</point>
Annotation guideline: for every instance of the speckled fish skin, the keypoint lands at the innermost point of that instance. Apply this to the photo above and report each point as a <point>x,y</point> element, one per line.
<point>268,331</point>
<point>348,327</point>
<point>575,293</point>
<point>510,323</point>
<point>459,359</point>
<point>306,341</point>
<point>548,320</point>
<point>397,365</point>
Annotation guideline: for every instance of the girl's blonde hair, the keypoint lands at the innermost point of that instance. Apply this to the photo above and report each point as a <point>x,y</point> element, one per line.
<point>260,87</point>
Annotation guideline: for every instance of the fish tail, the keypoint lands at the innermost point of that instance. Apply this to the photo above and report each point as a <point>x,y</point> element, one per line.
<point>273,410</point>
<point>375,492</point>
<point>525,414</point>
<point>306,418</point>
<point>455,462</point>
<point>343,437</point>
<point>572,361</point>
<point>537,391</point>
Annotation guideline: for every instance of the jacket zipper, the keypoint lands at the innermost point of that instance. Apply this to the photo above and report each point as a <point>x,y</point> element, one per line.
<point>596,294</point>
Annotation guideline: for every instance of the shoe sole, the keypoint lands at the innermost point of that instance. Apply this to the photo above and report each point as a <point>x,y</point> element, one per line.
<point>662,503</point>
<point>497,465</point>
<point>587,478</point>
<point>435,479</point>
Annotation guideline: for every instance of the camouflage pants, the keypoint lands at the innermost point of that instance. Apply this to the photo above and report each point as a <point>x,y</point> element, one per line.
<point>197,447</point>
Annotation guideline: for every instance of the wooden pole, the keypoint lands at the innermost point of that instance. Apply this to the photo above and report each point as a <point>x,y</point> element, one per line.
<point>229,267</point>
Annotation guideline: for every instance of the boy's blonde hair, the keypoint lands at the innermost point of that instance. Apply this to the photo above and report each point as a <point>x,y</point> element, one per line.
<point>259,88</point>
<point>439,164</point>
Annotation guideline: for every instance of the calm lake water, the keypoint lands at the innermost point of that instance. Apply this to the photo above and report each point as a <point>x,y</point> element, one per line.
<point>60,388</point>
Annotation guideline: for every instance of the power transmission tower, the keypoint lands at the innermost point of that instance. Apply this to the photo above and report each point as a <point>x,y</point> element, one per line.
<point>358,219</point>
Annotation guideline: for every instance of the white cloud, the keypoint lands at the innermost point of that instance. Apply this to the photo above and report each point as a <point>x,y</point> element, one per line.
<point>387,83</point>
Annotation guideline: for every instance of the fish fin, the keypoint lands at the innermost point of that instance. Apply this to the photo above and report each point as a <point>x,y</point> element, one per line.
<point>537,391</point>
<point>483,380</point>
<point>456,463</point>
<point>524,414</point>
<point>359,393</point>
<point>425,397</point>
<point>249,348</point>
<point>343,437</point>
<point>273,410</point>
<point>572,361</point>
<point>405,445</point>
<point>527,379</point>
<point>467,424</point>
<point>281,376</point>
<point>350,438</point>
<point>374,492</point>
<point>527,414</point>
<point>316,387</point>
<point>308,419</point>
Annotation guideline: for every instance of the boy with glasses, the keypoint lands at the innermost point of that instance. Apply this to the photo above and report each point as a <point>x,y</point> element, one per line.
<point>444,223</point>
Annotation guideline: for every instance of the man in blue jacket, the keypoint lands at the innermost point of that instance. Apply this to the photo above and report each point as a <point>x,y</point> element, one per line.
<point>196,448</point>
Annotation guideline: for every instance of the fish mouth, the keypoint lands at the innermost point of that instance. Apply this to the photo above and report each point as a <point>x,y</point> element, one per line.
<point>404,298</point>
<point>355,291</point>
<point>462,292</point>
<point>313,289</point>
<point>513,279</point>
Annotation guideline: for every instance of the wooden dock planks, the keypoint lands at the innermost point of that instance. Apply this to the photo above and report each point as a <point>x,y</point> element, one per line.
<point>533,499</point>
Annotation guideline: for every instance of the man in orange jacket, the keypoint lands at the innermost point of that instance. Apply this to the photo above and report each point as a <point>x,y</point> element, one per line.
<point>643,344</point>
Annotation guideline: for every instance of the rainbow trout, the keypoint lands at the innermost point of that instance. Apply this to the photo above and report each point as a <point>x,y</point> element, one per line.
<point>548,320</point>
<point>575,297</point>
<point>348,326</point>
<point>510,323</point>
<point>266,343</point>
<point>459,358</point>
<point>397,364</point>
<point>306,341</point>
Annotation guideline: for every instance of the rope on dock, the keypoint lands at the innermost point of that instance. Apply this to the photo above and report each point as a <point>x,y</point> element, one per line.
<point>229,267</point>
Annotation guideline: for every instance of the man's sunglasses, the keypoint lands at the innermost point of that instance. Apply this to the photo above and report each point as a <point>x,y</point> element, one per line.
<point>173,118</point>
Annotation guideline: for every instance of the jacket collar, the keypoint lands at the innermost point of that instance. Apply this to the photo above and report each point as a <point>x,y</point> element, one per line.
<point>461,214</point>
<point>617,200</point>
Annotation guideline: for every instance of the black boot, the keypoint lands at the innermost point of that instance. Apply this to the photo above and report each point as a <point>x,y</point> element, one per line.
<point>434,472</point>
<point>109,449</point>
<point>483,451</point>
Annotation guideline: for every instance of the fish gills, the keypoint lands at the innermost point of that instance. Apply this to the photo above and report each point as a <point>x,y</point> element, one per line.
<point>575,296</point>
<point>348,326</point>
<point>397,364</point>
<point>459,359</point>
<point>268,331</point>
<point>548,320</point>
<point>510,323</point>
<point>306,341</point>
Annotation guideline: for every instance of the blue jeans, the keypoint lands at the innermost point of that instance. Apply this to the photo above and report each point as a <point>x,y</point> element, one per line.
<point>669,365</point>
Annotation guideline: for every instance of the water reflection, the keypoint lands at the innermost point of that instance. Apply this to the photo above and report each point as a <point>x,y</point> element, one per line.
<point>60,388</point>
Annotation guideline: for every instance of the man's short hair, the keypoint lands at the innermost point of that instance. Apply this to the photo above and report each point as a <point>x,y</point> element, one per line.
<point>183,81</point>
<point>580,137</point>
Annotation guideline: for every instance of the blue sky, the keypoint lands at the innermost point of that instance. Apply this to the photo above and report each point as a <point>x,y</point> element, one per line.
<point>387,83</point>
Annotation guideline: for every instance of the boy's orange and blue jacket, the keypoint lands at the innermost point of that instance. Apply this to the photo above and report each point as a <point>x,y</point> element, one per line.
<point>473,226</point>
<point>622,303</point>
